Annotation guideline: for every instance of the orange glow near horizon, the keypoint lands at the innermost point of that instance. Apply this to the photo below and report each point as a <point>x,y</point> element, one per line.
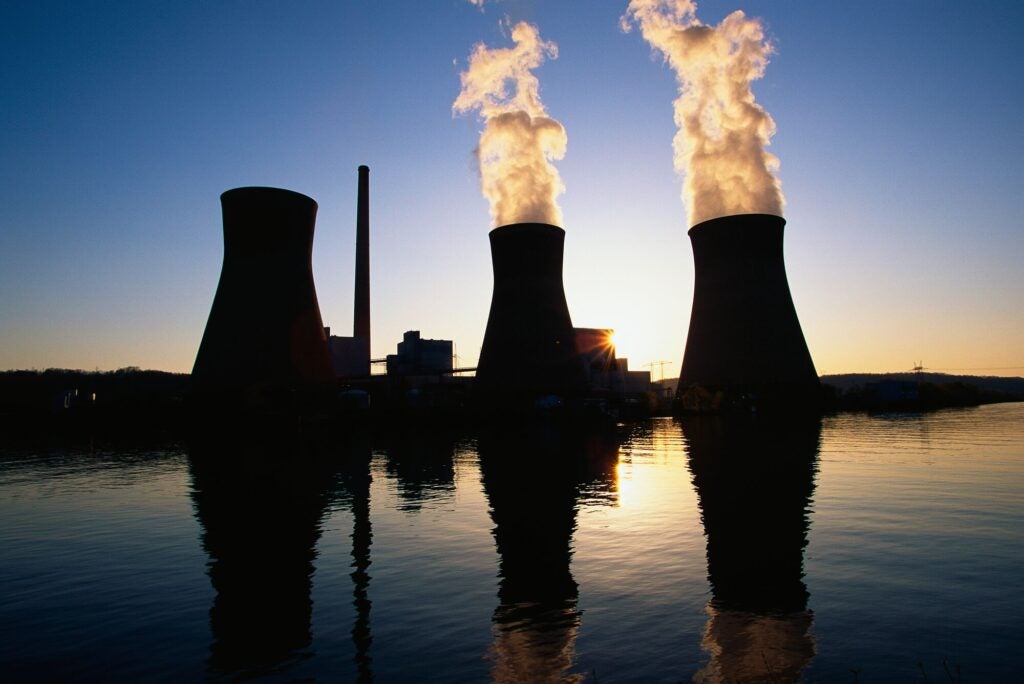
<point>625,485</point>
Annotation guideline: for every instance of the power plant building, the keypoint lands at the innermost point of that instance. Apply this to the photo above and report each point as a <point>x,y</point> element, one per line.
<point>418,356</point>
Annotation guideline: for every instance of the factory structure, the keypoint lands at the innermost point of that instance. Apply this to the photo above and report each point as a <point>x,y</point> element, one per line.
<point>265,342</point>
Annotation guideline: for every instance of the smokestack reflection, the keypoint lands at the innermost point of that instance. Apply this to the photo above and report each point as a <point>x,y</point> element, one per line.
<point>354,480</point>
<point>534,481</point>
<point>754,484</point>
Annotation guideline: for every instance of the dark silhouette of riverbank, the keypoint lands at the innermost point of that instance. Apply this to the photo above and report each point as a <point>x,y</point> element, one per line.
<point>916,391</point>
<point>132,401</point>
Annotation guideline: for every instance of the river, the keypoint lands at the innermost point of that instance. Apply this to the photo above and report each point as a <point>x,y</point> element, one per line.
<point>858,548</point>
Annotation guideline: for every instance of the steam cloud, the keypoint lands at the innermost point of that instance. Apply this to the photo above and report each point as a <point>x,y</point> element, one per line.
<point>723,132</point>
<point>519,140</point>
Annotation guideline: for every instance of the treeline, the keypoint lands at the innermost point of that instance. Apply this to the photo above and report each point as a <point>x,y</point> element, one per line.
<point>914,392</point>
<point>994,383</point>
<point>131,395</point>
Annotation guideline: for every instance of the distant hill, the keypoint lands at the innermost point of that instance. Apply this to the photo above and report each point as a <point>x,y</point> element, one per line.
<point>849,381</point>
<point>907,391</point>
<point>987,383</point>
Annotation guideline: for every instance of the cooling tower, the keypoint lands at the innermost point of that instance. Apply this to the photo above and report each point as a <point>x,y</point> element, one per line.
<point>529,348</point>
<point>744,339</point>
<point>264,338</point>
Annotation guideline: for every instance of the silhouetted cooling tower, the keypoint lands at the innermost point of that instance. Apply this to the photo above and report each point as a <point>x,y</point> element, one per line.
<point>744,335</point>
<point>264,334</point>
<point>529,345</point>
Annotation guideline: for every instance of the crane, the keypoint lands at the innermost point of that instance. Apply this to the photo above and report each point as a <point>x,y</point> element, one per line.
<point>661,367</point>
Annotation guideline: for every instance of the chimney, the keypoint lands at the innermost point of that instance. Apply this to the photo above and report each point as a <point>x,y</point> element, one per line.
<point>529,345</point>
<point>264,328</point>
<point>361,306</point>
<point>744,337</point>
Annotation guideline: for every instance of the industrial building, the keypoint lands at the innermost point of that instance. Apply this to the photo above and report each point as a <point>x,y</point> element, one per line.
<point>418,356</point>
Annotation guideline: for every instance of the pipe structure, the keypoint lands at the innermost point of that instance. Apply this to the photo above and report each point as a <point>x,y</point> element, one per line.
<point>529,345</point>
<point>744,338</point>
<point>264,333</point>
<point>361,306</point>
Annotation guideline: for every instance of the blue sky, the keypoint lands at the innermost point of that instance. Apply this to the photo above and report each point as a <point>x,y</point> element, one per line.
<point>899,133</point>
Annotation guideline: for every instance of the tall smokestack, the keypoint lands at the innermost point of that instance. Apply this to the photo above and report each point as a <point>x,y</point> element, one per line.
<point>529,345</point>
<point>361,306</point>
<point>744,335</point>
<point>264,333</point>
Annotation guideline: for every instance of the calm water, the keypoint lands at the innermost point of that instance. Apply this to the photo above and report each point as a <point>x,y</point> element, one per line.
<point>666,551</point>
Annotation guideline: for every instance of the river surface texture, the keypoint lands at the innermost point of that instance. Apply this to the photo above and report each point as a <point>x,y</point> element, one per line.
<point>855,549</point>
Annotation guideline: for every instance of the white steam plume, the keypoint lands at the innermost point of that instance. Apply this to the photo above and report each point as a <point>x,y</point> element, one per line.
<point>723,132</point>
<point>519,140</point>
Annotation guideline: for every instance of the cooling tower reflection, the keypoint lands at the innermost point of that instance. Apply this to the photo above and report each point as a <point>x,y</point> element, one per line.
<point>754,484</point>
<point>260,504</point>
<point>535,479</point>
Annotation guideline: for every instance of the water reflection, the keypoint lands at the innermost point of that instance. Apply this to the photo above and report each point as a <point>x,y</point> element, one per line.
<point>754,483</point>
<point>354,482</point>
<point>421,461</point>
<point>534,480</point>
<point>261,506</point>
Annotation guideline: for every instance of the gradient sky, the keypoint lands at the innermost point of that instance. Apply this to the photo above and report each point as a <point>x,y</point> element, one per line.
<point>899,132</point>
